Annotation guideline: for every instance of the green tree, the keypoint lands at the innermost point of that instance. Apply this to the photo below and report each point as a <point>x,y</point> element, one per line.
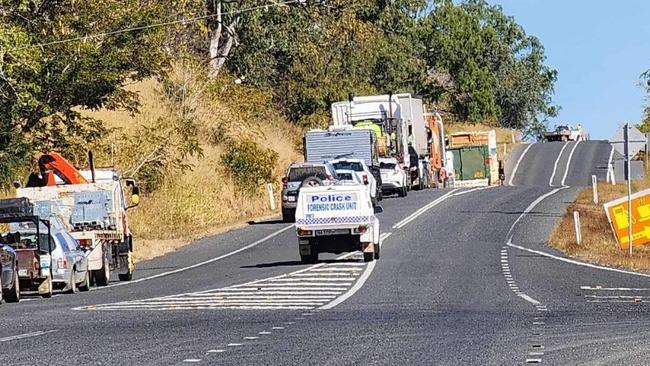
<point>483,66</point>
<point>44,77</point>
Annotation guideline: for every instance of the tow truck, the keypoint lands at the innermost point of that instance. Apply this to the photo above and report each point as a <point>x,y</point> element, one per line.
<point>95,208</point>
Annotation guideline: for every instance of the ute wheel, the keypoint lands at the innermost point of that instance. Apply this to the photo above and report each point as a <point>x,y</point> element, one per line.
<point>288,216</point>
<point>85,285</point>
<point>401,192</point>
<point>309,259</point>
<point>13,294</point>
<point>311,182</point>
<point>368,257</point>
<point>377,251</point>
<point>73,283</point>
<point>102,275</point>
<point>48,294</point>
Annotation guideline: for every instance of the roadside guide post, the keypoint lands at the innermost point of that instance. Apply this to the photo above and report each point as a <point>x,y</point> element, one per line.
<point>628,176</point>
<point>269,189</point>
<point>594,185</point>
<point>576,221</point>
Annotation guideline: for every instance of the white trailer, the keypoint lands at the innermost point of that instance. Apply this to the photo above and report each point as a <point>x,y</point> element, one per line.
<point>108,247</point>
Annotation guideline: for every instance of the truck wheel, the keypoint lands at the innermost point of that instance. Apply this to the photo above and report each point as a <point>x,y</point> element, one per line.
<point>401,192</point>
<point>128,276</point>
<point>376,251</point>
<point>102,275</point>
<point>13,295</point>
<point>85,285</point>
<point>368,257</point>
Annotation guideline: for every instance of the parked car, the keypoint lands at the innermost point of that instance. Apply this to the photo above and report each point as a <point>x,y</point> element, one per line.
<point>299,175</point>
<point>393,177</point>
<point>67,260</point>
<point>9,284</point>
<point>367,174</point>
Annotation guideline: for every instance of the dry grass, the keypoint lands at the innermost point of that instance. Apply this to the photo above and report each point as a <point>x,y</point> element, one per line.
<point>598,242</point>
<point>203,201</point>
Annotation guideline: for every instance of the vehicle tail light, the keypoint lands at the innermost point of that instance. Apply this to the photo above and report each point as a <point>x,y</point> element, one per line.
<point>487,161</point>
<point>62,263</point>
<point>362,229</point>
<point>285,182</point>
<point>37,265</point>
<point>304,232</point>
<point>365,179</point>
<point>85,242</point>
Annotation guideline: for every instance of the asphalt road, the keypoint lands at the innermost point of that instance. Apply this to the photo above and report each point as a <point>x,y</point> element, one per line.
<point>465,277</point>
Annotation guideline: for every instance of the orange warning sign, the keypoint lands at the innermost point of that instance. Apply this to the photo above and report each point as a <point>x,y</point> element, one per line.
<point>617,214</point>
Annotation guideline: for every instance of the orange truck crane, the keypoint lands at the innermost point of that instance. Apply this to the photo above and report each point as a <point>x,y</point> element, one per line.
<point>92,203</point>
<point>437,150</point>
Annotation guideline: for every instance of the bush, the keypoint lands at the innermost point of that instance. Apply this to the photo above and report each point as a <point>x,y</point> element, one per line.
<point>248,164</point>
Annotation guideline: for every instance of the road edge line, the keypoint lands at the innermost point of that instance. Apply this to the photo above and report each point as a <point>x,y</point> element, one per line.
<point>514,172</point>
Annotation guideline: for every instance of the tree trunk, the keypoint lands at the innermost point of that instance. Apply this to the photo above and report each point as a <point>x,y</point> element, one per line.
<point>222,38</point>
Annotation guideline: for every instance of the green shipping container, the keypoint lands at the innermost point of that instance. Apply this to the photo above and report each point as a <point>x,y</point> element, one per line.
<point>470,162</point>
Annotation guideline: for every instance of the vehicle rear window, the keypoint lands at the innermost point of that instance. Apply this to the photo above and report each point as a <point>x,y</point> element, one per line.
<point>298,174</point>
<point>345,176</point>
<point>357,167</point>
<point>387,166</point>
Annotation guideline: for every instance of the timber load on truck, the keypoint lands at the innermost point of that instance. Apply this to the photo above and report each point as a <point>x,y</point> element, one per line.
<point>92,203</point>
<point>403,131</point>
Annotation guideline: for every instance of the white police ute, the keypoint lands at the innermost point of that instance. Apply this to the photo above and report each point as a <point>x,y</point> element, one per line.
<point>336,219</point>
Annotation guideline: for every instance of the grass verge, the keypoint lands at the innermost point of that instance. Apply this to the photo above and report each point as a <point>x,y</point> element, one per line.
<point>599,245</point>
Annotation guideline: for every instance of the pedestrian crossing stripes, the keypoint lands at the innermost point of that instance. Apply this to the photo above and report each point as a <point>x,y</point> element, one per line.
<point>306,289</point>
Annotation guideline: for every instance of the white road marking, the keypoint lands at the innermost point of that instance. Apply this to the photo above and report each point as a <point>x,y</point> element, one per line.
<point>529,209</point>
<point>251,338</point>
<point>235,344</point>
<point>568,164</point>
<point>424,209</point>
<point>521,157</point>
<point>200,264</point>
<point>557,161</point>
<point>613,288</point>
<point>27,335</point>
<point>216,351</point>
<point>192,360</point>
<point>277,328</point>
<point>578,263</point>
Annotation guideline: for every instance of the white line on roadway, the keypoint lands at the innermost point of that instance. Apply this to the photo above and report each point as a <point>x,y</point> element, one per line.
<point>258,242</point>
<point>422,210</point>
<point>357,286</point>
<point>613,288</point>
<point>578,263</point>
<point>27,335</point>
<point>521,157</point>
<point>568,164</point>
<point>529,209</point>
<point>529,299</point>
<point>557,161</point>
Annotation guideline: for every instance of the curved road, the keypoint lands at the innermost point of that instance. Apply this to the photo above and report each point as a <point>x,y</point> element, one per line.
<point>465,277</point>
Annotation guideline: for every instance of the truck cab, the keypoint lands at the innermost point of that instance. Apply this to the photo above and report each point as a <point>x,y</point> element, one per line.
<point>336,219</point>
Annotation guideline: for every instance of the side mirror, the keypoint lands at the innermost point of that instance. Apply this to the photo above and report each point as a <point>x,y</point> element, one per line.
<point>378,209</point>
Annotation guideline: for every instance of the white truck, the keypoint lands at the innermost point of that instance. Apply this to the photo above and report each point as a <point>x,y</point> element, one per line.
<point>399,121</point>
<point>108,239</point>
<point>336,219</point>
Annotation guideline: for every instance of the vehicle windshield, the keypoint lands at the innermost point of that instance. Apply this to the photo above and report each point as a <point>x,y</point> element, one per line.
<point>300,173</point>
<point>345,165</point>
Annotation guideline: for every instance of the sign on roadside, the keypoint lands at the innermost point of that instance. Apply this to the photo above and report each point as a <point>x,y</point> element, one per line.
<point>617,215</point>
<point>637,141</point>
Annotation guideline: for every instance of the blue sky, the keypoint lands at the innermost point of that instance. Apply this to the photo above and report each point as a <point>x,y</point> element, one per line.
<point>599,48</point>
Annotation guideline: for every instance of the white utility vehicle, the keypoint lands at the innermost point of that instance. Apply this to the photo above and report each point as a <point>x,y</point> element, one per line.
<point>393,177</point>
<point>337,219</point>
